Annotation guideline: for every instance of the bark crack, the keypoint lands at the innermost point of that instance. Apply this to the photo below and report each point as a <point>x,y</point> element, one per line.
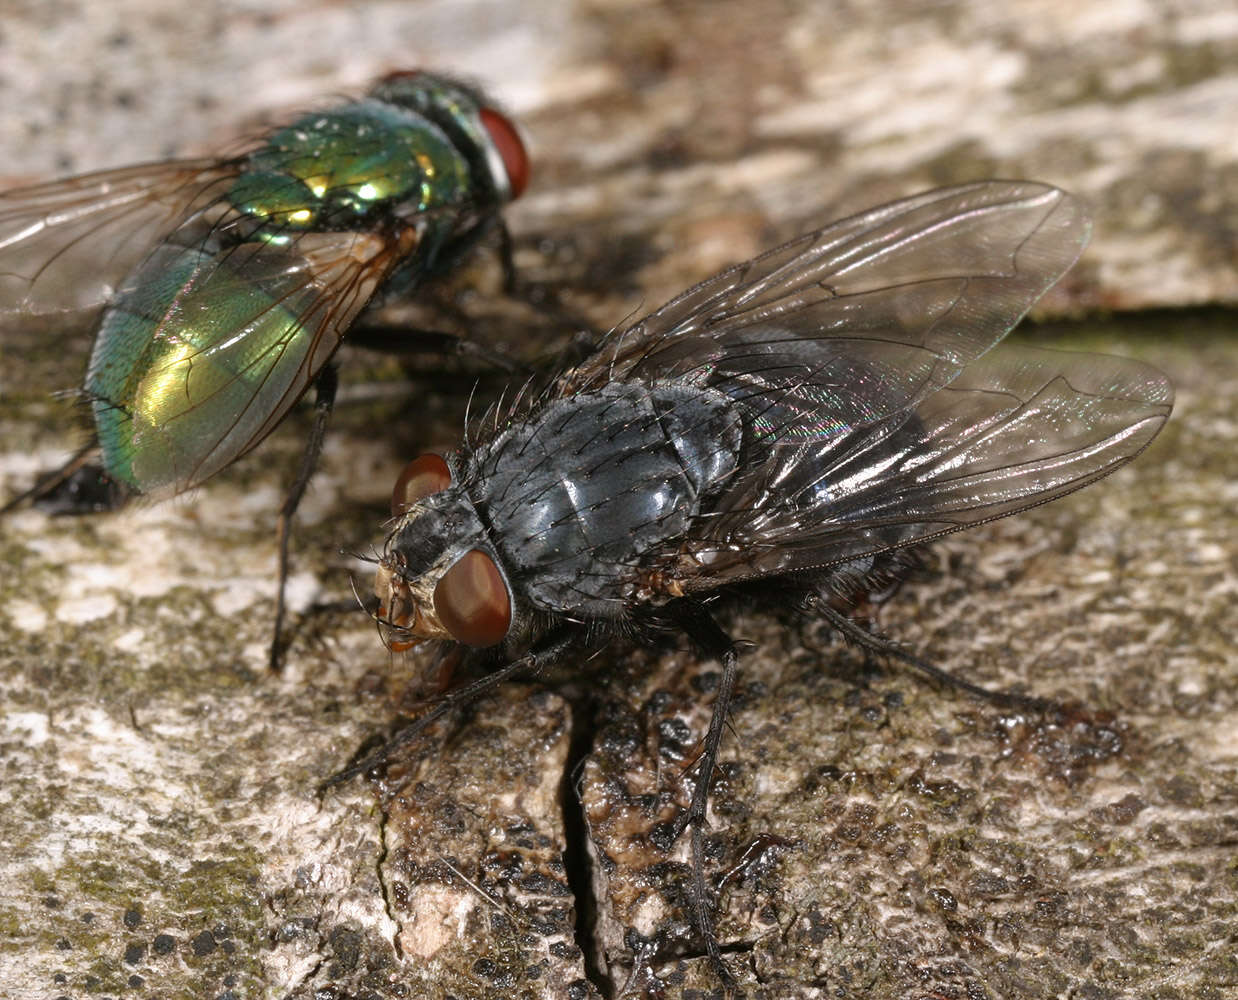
<point>380,864</point>
<point>576,843</point>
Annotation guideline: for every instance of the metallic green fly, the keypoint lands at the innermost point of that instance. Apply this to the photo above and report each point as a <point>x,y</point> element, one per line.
<point>220,288</point>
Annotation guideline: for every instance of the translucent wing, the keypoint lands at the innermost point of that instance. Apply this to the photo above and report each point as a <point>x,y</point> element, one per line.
<point>1017,428</point>
<point>866,316</point>
<point>64,246</point>
<point>204,351</point>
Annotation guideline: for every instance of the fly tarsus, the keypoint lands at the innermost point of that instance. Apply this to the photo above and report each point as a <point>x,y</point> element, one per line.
<point>543,654</point>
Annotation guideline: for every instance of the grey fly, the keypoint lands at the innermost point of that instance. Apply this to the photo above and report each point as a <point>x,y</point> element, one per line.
<point>802,418</point>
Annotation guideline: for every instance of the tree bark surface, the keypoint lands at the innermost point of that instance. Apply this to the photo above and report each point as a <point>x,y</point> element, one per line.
<point>870,833</point>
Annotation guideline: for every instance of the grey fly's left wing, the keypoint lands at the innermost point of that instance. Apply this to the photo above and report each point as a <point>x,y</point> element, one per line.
<point>1019,427</point>
<point>865,316</point>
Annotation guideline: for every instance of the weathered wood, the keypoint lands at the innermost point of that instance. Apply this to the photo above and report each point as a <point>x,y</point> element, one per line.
<point>160,819</point>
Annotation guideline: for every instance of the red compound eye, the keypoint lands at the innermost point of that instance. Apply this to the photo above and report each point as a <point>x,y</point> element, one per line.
<point>421,477</point>
<point>510,148</point>
<point>471,601</point>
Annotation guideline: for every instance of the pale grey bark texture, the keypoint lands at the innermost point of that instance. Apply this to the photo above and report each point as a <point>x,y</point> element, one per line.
<point>870,834</point>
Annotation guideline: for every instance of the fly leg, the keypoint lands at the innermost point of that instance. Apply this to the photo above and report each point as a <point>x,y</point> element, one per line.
<point>80,486</point>
<point>392,338</point>
<point>871,643</point>
<point>547,651</point>
<point>465,241</point>
<point>537,295</point>
<point>383,333</point>
<point>507,257</point>
<point>325,387</point>
<point>712,641</point>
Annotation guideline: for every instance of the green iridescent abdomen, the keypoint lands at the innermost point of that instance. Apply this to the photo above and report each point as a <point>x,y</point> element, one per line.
<point>199,354</point>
